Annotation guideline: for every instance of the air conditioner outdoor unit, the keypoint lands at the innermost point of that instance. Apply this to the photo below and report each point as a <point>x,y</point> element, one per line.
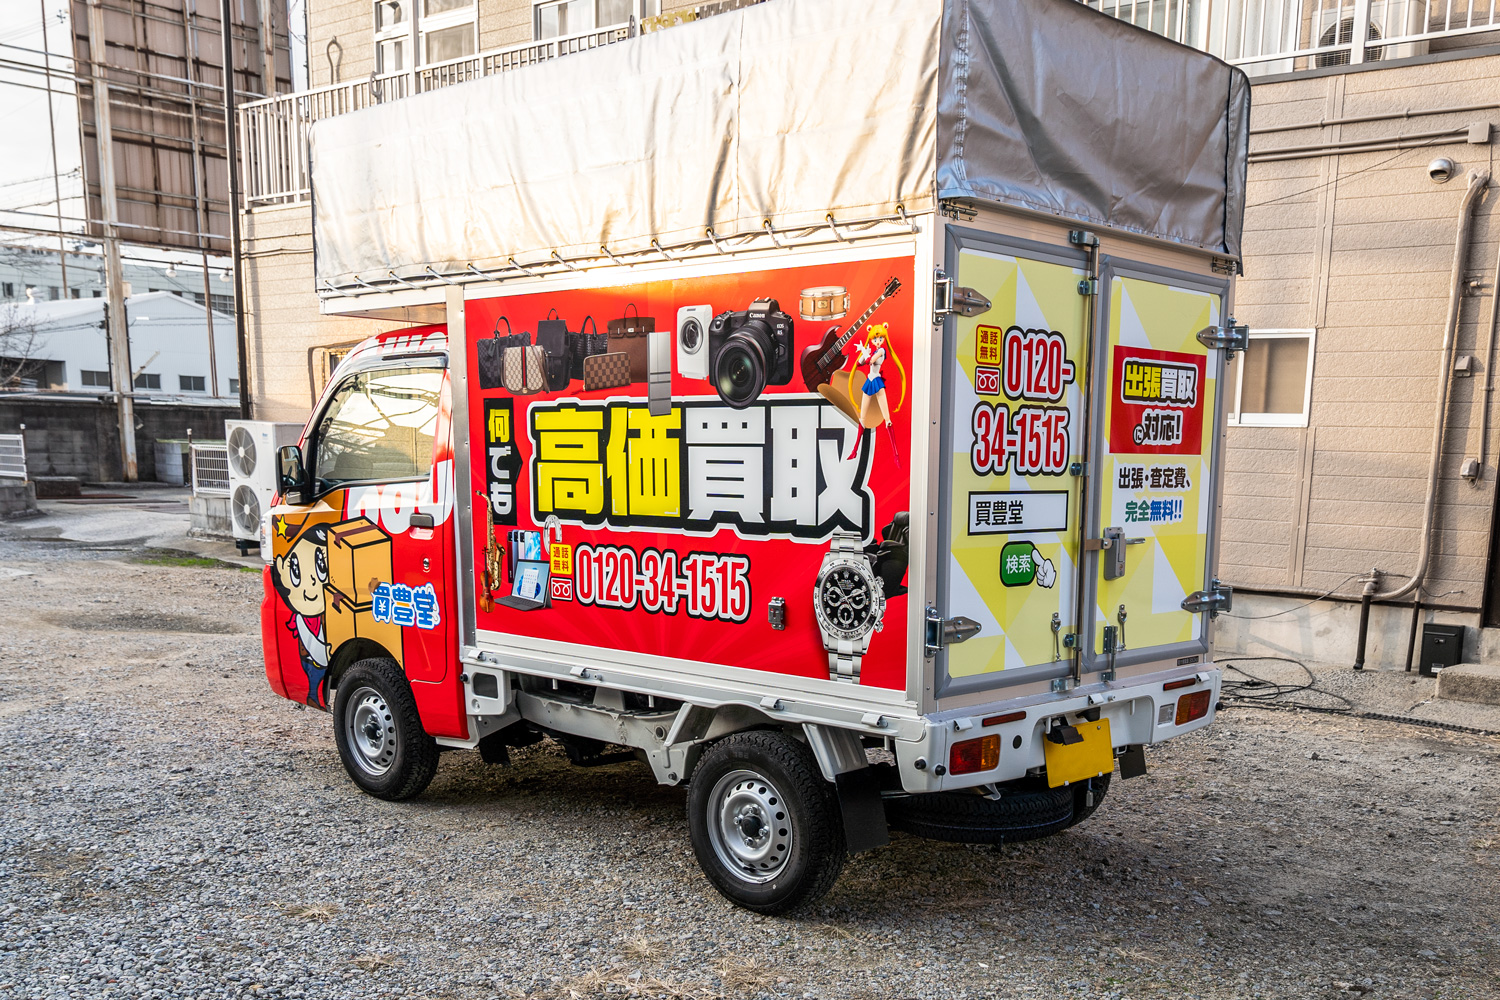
<point>252,447</point>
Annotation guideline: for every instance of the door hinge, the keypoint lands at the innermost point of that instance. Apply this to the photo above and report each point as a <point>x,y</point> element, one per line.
<point>942,632</point>
<point>950,299</point>
<point>1218,597</point>
<point>1088,286</point>
<point>1230,337</point>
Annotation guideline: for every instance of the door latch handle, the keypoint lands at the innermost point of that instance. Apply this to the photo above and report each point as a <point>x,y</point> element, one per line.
<point>421,520</point>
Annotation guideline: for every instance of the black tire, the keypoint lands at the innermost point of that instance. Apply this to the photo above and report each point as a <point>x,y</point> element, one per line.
<point>788,846</point>
<point>1081,808</point>
<point>379,733</point>
<point>970,818</point>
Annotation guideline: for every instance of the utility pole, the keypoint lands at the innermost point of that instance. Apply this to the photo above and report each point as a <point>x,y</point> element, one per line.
<point>267,49</point>
<point>62,247</point>
<point>121,379</point>
<point>231,150</point>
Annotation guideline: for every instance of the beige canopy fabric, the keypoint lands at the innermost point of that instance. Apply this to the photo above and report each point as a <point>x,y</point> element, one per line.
<point>788,111</point>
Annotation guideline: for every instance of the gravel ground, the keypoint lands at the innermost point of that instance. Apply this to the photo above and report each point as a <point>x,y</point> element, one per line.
<point>172,829</point>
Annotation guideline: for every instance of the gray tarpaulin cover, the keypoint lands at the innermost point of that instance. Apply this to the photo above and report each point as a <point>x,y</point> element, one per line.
<point>788,111</point>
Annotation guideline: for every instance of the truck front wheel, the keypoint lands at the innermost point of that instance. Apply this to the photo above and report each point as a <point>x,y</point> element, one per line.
<point>379,733</point>
<point>764,824</point>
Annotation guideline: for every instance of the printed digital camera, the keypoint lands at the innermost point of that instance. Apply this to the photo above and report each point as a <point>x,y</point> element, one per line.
<point>750,350</point>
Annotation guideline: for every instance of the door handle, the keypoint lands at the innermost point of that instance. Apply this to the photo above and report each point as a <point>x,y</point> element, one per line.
<point>1112,544</point>
<point>421,521</point>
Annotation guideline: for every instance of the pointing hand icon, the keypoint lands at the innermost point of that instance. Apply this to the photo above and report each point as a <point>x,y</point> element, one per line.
<point>1046,573</point>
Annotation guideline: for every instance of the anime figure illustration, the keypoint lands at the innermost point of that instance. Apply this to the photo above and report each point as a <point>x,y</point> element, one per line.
<point>301,578</point>
<point>873,354</point>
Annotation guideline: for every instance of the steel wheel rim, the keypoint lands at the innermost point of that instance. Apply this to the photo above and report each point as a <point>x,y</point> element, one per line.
<point>370,732</point>
<point>749,826</point>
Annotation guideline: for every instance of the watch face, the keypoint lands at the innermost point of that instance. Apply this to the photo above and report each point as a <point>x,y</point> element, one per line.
<point>847,602</point>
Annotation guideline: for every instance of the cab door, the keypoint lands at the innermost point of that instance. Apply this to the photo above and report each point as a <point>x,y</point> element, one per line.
<point>1156,465</point>
<point>1013,441</point>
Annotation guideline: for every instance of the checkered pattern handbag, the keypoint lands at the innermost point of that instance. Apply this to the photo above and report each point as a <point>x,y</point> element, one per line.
<point>606,371</point>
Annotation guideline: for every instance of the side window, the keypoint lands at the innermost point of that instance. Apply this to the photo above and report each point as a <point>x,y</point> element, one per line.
<point>378,427</point>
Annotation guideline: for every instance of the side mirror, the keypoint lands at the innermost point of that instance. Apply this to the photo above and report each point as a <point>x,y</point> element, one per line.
<point>291,474</point>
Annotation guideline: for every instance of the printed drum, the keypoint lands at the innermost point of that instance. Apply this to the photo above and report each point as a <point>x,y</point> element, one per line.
<point>824,302</point>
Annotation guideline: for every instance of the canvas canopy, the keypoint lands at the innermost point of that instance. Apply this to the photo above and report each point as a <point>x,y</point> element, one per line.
<point>790,111</point>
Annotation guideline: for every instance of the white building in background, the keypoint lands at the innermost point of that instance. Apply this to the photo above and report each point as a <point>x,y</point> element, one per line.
<point>64,349</point>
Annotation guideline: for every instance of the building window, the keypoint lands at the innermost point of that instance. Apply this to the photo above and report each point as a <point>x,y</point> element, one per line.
<point>191,383</point>
<point>557,18</point>
<point>75,293</point>
<point>392,35</point>
<point>54,293</point>
<point>94,380</point>
<point>8,289</point>
<point>98,294</point>
<point>234,387</point>
<point>419,32</point>
<point>1270,385</point>
<point>145,380</point>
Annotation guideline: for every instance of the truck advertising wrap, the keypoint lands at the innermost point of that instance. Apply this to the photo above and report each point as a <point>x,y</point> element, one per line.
<point>668,467</point>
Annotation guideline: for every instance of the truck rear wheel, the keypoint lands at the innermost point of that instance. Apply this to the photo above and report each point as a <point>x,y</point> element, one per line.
<point>379,733</point>
<point>764,824</point>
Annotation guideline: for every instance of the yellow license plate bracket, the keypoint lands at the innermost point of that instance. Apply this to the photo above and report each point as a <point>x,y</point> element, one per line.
<point>1092,756</point>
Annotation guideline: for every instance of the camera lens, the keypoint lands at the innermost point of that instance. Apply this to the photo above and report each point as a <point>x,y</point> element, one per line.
<point>692,336</point>
<point>740,371</point>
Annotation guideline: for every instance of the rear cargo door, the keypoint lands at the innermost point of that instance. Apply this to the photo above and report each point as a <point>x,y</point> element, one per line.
<point>1012,431</point>
<point>1156,463</point>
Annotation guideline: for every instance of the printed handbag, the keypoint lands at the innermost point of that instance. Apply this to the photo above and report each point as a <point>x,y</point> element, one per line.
<point>525,370</point>
<point>628,335</point>
<point>552,334</point>
<point>557,369</point>
<point>582,345</point>
<point>552,337</point>
<point>491,354</point>
<point>607,371</point>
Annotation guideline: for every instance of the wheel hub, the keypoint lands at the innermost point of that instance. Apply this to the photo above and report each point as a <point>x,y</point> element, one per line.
<point>749,826</point>
<point>371,732</point>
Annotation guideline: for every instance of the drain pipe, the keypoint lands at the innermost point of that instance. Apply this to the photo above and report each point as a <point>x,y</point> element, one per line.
<point>1478,181</point>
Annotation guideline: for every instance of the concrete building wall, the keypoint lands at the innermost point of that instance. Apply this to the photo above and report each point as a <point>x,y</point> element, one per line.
<point>286,336</point>
<point>346,28</point>
<point>1360,247</point>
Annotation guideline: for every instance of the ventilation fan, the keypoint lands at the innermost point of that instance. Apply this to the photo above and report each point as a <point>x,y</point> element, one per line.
<point>252,446</point>
<point>1343,34</point>
<point>242,454</point>
<point>246,510</point>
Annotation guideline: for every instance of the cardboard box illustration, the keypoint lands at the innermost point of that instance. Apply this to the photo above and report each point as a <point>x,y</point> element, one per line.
<point>359,560</point>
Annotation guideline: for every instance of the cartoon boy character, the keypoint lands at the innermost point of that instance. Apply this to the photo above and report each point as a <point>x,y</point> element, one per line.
<point>300,577</point>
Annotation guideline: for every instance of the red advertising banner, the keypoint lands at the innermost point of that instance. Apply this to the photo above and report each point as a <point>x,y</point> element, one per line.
<point>1156,402</point>
<point>671,468</point>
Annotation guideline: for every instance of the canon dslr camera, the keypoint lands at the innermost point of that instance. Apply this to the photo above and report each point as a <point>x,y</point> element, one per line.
<point>750,350</point>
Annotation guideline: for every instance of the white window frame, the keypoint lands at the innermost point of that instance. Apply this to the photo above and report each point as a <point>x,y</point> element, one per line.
<point>1241,419</point>
<point>638,9</point>
<point>417,26</point>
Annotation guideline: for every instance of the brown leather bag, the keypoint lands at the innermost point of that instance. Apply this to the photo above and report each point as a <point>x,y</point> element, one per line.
<point>628,335</point>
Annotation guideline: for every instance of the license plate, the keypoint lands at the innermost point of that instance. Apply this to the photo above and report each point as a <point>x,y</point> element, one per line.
<point>1070,762</point>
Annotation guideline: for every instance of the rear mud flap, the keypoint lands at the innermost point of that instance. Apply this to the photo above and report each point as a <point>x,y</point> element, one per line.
<point>864,813</point>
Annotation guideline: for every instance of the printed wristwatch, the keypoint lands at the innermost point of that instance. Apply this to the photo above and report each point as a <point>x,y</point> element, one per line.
<point>849,604</point>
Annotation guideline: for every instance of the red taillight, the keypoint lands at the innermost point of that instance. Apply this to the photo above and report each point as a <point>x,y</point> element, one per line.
<point>1000,720</point>
<point>969,756</point>
<point>1192,706</point>
<point>1183,683</point>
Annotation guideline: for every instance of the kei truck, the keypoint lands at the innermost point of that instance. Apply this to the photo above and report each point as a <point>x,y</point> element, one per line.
<point>818,402</point>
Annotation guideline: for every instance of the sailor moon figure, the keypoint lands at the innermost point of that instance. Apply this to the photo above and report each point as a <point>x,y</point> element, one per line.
<point>874,407</point>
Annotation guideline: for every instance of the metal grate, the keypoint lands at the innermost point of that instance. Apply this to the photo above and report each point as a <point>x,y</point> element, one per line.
<point>210,463</point>
<point>12,456</point>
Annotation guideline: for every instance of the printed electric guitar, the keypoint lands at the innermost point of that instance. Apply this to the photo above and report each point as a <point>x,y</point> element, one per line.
<point>822,364</point>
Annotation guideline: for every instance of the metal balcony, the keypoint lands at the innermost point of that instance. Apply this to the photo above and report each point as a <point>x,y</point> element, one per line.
<point>1262,36</point>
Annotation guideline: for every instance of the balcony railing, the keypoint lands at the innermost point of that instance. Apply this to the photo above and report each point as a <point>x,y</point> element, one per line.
<point>1285,36</point>
<point>1262,36</point>
<point>273,132</point>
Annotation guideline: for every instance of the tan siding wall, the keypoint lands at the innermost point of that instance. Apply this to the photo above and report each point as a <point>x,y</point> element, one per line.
<point>282,321</point>
<point>1360,247</point>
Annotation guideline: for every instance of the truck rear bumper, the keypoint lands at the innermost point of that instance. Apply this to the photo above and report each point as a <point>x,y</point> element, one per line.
<point>1140,710</point>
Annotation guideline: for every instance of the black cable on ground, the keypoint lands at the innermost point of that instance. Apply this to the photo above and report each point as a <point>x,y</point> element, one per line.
<point>1259,692</point>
